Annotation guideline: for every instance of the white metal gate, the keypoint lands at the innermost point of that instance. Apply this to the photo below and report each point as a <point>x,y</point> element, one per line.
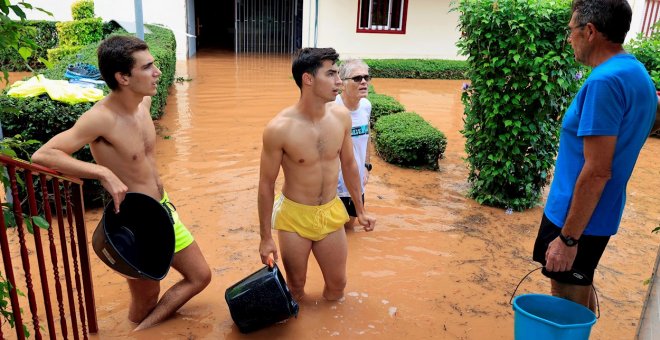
<point>266,26</point>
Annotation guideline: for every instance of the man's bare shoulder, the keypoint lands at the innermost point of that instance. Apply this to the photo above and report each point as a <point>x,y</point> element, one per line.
<point>283,119</point>
<point>99,113</point>
<point>338,109</point>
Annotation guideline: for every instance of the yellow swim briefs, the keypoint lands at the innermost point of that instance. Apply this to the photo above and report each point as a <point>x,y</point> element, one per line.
<point>182,237</point>
<point>310,222</point>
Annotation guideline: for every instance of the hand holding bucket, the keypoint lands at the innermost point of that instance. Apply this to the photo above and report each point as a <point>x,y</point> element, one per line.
<point>137,242</point>
<point>546,317</point>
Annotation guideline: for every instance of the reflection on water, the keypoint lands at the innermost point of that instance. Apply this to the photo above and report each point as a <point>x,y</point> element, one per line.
<point>437,266</point>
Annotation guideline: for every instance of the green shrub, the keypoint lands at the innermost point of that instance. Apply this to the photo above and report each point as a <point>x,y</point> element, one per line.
<point>80,32</point>
<point>523,76</point>
<point>45,119</point>
<point>82,9</point>
<point>647,51</point>
<point>406,139</point>
<point>44,34</point>
<point>161,45</point>
<point>417,68</point>
<point>57,53</point>
<point>383,105</point>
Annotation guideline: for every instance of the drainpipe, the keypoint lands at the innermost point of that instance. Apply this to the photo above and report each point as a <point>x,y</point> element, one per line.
<point>139,23</point>
<point>316,24</point>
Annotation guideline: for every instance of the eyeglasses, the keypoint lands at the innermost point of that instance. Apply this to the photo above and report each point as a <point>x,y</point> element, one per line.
<point>570,29</point>
<point>358,79</point>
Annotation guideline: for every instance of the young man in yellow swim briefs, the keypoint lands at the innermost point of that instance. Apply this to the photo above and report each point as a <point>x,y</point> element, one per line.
<point>308,140</point>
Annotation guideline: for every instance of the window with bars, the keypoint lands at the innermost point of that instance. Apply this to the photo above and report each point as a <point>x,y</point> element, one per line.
<point>382,16</point>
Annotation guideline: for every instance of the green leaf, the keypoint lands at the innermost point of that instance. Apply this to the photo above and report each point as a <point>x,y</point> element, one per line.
<point>40,222</point>
<point>28,225</point>
<point>25,52</point>
<point>45,62</point>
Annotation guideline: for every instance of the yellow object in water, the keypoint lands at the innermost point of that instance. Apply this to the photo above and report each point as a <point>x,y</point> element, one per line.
<point>59,90</point>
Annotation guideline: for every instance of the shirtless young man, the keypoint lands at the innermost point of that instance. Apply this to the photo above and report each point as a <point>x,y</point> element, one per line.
<point>308,140</point>
<point>122,138</point>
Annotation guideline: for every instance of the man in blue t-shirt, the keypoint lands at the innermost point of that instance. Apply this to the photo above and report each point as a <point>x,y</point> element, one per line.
<point>602,134</point>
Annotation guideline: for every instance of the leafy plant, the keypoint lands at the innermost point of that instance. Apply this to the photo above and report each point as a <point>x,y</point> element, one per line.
<point>522,77</point>
<point>80,32</point>
<point>43,34</point>
<point>57,53</point>
<point>14,35</point>
<point>12,147</point>
<point>417,68</point>
<point>7,314</point>
<point>82,9</point>
<point>383,105</point>
<point>647,51</point>
<point>406,139</point>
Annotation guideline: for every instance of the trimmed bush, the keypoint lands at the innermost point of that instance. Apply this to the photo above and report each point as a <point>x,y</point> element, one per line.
<point>406,139</point>
<point>44,34</point>
<point>647,51</point>
<point>82,9</point>
<point>55,54</point>
<point>80,32</point>
<point>383,105</point>
<point>162,46</point>
<point>417,68</point>
<point>523,76</point>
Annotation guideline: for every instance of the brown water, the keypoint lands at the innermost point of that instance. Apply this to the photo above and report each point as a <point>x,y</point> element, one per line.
<point>438,265</point>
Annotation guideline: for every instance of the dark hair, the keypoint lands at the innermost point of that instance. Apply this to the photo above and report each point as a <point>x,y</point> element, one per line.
<point>611,17</point>
<point>309,60</point>
<point>116,55</point>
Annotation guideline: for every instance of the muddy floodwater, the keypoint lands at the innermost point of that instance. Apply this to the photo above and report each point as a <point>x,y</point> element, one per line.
<point>438,265</point>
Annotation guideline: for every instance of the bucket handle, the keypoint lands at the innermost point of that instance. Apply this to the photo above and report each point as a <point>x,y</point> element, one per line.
<point>535,269</point>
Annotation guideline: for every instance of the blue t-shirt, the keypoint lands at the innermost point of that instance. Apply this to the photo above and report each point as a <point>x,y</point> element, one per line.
<point>618,99</point>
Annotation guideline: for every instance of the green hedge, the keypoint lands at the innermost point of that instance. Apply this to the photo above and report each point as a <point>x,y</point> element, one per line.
<point>44,34</point>
<point>417,68</point>
<point>523,76</point>
<point>383,105</point>
<point>406,139</point>
<point>647,51</point>
<point>41,118</point>
<point>82,9</point>
<point>56,54</point>
<point>80,32</point>
<point>161,45</point>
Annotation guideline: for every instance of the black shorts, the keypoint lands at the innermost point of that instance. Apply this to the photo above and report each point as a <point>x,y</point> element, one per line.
<point>350,207</point>
<point>590,249</point>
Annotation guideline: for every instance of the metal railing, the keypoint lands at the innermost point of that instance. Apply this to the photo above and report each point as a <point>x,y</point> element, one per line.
<point>36,192</point>
<point>266,26</point>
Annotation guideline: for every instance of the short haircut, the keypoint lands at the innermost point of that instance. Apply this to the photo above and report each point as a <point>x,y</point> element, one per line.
<point>611,17</point>
<point>309,60</point>
<point>347,67</point>
<point>116,55</point>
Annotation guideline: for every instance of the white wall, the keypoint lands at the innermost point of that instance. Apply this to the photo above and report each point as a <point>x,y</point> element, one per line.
<point>431,31</point>
<point>171,13</point>
<point>638,7</point>
<point>61,10</point>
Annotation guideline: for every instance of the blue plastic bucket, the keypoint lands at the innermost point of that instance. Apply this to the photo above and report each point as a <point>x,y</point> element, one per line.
<point>545,317</point>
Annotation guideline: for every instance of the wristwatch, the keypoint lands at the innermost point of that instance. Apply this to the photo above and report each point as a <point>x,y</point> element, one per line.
<point>368,166</point>
<point>568,241</point>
